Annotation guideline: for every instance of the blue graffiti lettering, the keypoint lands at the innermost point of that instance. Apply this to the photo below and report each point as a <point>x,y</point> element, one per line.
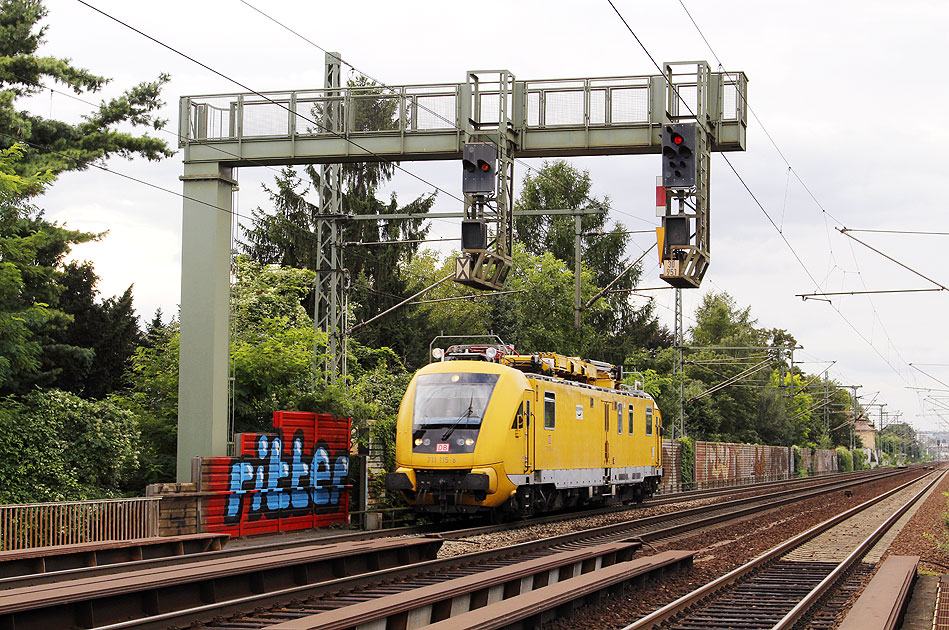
<point>276,470</point>
<point>340,470</point>
<point>299,498</point>
<point>291,485</point>
<point>240,472</point>
<point>321,476</point>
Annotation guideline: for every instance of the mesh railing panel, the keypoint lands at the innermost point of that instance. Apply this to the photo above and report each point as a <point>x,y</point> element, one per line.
<point>564,108</point>
<point>629,105</point>
<point>375,113</point>
<point>597,107</point>
<point>490,108</point>
<point>434,112</point>
<point>266,119</point>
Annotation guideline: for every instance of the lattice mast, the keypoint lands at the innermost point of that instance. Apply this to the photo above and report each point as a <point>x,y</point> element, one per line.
<point>330,297</point>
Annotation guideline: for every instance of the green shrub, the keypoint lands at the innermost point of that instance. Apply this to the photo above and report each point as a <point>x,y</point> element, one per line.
<point>798,462</point>
<point>844,460</point>
<point>59,447</point>
<point>859,459</point>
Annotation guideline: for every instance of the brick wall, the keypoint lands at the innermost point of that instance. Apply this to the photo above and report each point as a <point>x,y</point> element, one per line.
<point>178,509</point>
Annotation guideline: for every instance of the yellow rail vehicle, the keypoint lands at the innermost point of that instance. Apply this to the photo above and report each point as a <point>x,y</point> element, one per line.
<point>485,430</point>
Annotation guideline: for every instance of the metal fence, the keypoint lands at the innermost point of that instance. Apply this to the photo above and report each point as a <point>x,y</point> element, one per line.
<point>73,522</point>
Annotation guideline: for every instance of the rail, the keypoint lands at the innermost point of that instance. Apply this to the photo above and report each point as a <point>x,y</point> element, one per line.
<point>33,525</point>
<point>705,592</point>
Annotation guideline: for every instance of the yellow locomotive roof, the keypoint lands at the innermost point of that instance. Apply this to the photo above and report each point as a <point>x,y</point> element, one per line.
<point>569,368</point>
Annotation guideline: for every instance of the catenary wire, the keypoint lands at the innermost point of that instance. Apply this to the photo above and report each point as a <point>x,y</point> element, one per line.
<point>758,203</point>
<point>527,166</point>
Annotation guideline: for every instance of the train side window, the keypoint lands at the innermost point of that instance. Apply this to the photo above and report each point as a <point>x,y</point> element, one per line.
<point>550,410</point>
<point>619,418</point>
<point>648,420</point>
<point>631,408</point>
<point>527,414</point>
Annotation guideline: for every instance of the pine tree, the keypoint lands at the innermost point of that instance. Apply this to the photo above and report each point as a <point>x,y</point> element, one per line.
<point>108,329</point>
<point>53,145</point>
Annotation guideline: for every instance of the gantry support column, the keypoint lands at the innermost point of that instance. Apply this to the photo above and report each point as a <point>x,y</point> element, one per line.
<point>205,294</point>
<point>329,311</point>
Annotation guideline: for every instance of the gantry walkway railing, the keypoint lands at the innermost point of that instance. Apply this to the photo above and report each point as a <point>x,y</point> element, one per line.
<point>592,116</point>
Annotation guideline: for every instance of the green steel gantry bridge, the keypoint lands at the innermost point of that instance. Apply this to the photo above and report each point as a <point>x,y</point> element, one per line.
<point>522,119</point>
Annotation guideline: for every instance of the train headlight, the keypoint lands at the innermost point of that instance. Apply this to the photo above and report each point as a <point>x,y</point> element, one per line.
<point>418,441</point>
<point>469,442</point>
<point>437,354</point>
<point>491,353</point>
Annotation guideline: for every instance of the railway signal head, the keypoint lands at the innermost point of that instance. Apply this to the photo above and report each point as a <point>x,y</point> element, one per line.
<point>479,162</point>
<point>679,155</point>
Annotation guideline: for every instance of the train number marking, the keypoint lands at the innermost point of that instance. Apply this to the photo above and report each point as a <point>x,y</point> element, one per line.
<point>433,459</point>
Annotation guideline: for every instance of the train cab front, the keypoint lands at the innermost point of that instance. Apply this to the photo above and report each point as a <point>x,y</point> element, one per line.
<point>446,460</point>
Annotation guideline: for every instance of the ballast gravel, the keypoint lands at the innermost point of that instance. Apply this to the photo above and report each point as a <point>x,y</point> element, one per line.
<point>721,549</point>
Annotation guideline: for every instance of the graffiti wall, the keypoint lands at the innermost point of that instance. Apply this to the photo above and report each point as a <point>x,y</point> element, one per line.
<point>818,460</point>
<point>720,461</point>
<point>293,478</point>
<point>671,466</point>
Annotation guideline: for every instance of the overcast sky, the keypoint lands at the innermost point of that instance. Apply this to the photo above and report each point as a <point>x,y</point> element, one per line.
<point>853,95</point>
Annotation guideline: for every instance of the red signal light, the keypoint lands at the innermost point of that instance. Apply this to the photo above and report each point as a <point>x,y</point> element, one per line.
<point>485,166</point>
<point>677,139</point>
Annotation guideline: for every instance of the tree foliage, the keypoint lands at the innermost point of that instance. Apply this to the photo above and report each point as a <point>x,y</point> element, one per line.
<point>53,145</point>
<point>107,328</point>
<point>32,251</point>
<point>559,185</point>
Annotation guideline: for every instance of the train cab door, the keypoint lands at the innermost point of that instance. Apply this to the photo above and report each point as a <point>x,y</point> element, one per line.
<point>528,431</point>
<point>523,430</point>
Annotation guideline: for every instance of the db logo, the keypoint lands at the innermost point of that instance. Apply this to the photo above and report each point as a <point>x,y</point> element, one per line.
<point>442,447</point>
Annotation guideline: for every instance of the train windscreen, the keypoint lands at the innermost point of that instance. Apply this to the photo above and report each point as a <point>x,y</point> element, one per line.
<point>452,400</point>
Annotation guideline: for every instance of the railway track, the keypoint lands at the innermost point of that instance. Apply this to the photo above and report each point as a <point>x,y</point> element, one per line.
<point>225,586</point>
<point>22,574</point>
<point>371,592</point>
<point>784,586</point>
